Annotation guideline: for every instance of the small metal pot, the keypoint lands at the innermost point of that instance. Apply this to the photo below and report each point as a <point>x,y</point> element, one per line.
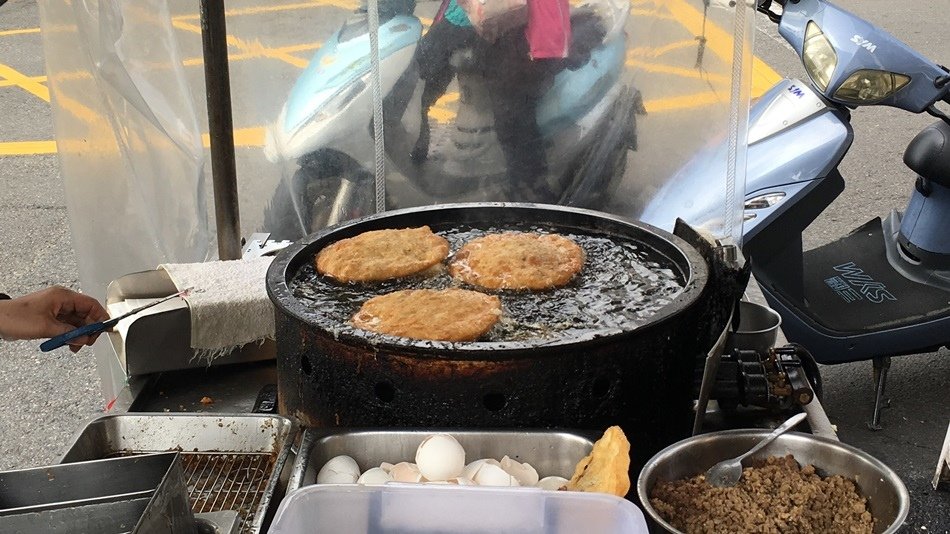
<point>887,495</point>
<point>757,330</point>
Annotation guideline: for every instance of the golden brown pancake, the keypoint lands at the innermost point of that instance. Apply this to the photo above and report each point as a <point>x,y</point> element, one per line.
<point>518,260</point>
<point>382,255</point>
<point>437,315</point>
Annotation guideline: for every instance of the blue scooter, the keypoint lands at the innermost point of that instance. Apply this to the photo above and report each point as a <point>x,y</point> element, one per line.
<point>586,117</point>
<point>884,289</point>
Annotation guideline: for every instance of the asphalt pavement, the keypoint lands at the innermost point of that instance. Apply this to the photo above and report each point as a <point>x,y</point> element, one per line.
<point>45,398</point>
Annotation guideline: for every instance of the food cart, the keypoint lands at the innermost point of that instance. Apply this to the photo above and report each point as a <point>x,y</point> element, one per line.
<point>270,117</point>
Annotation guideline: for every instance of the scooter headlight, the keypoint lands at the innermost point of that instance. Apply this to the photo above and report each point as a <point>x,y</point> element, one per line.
<point>870,86</point>
<point>819,56</point>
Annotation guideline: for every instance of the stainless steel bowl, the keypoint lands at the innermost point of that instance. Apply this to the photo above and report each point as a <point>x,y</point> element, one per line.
<point>887,496</point>
<point>757,330</point>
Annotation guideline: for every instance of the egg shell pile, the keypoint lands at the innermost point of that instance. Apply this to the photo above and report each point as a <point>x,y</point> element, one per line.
<point>440,459</point>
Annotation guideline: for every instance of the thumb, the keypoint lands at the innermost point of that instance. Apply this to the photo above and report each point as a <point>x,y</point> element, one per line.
<point>54,327</point>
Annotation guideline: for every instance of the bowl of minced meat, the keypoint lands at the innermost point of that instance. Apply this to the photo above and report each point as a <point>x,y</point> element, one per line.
<point>797,484</point>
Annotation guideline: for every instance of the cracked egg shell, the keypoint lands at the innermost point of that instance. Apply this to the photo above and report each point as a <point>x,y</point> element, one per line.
<point>493,475</point>
<point>551,483</point>
<point>374,477</point>
<point>405,472</point>
<point>526,475</point>
<point>339,470</point>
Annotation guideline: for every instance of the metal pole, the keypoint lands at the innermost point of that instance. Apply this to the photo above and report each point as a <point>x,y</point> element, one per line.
<point>220,128</point>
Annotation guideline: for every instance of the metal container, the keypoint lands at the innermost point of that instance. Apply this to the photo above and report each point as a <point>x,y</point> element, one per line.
<point>142,494</point>
<point>160,339</point>
<point>757,330</point>
<point>231,462</point>
<point>887,495</point>
<point>637,378</point>
<point>551,453</point>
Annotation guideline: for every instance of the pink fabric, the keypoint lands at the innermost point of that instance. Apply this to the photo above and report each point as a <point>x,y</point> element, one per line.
<point>549,28</point>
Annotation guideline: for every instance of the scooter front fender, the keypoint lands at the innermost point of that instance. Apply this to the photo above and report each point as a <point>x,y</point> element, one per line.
<point>795,138</point>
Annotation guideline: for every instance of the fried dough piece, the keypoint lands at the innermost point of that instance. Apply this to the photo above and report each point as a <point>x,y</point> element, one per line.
<point>518,260</point>
<point>382,255</point>
<point>606,468</point>
<point>432,314</point>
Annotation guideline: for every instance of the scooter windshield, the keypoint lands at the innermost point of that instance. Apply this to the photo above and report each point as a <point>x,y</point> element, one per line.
<point>591,103</point>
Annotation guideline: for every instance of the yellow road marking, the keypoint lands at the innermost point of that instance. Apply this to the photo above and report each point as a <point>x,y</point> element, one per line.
<point>254,49</point>
<point>256,10</point>
<point>243,137</point>
<point>655,52</point>
<point>720,43</point>
<point>37,79</point>
<point>19,32</point>
<point>652,13</point>
<point>444,111</point>
<point>342,4</point>
<point>24,82</point>
<point>27,148</point>
<point>194,61</point>
<point>660,68</point>
<point>677,103</point>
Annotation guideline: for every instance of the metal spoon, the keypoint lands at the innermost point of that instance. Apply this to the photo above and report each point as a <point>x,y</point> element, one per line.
<point>728,472</point>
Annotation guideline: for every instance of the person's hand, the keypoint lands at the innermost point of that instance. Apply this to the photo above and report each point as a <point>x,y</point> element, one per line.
<point>49,313</point>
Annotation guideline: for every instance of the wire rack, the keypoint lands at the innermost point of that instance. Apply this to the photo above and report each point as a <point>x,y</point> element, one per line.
<point>219,481</point>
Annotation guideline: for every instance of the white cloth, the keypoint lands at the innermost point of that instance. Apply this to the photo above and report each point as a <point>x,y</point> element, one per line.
<point>229,305</point>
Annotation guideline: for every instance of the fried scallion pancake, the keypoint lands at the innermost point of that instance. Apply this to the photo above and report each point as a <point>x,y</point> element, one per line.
<point>431,314</point>
<point>382,255</point>
<point>606,468</point>
<point>518,260</point>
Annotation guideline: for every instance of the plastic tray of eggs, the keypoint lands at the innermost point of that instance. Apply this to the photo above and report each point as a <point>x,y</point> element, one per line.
<point>542,459</point>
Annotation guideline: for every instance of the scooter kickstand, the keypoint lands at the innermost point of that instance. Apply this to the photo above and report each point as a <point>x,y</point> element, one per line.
<point>881,366</point>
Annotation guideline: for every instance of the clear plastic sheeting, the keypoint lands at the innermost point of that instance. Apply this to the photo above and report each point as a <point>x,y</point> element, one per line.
<point>635,107</point>
<point>127,135</point>
<point>642,90</point>
<point>129,144</point>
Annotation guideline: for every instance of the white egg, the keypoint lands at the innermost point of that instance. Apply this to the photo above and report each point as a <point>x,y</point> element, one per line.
<point>440,457</point>
<point>386,466</point>
<point>339,470</point>
<point>462,481</point>
<point>493,475</point>
<point>405,472</point>
<point>551,483</point>
<point>526,475</point>
<point>374,476</point>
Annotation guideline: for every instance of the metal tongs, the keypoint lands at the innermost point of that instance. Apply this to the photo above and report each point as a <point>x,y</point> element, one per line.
<point>101,326</point>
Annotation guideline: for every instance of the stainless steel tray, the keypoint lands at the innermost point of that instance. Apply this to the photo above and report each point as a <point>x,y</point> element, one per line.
<point>142,494</point>
<point>550,452</point>
<point>231,462</point>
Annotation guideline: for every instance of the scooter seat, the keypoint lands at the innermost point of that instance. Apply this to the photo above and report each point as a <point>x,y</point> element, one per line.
<point>929,153</point>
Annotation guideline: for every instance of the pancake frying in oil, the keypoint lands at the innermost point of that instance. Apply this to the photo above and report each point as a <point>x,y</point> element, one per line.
<point>518,260</point>
<point>382,255</point>
<point>431,314</point>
